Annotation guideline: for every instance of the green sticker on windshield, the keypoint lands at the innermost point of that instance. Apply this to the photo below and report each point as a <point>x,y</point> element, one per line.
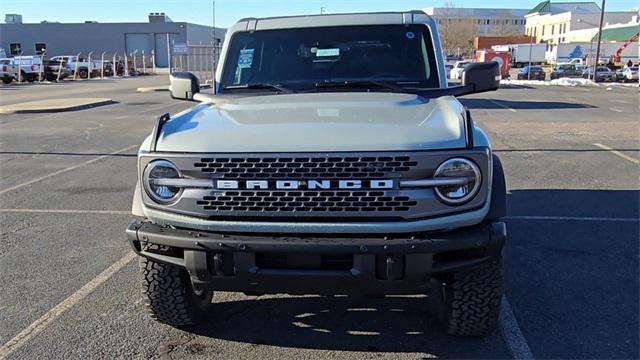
<point>327,52</point>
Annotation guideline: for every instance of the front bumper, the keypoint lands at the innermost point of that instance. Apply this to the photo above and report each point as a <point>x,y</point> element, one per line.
<point>252,264</point>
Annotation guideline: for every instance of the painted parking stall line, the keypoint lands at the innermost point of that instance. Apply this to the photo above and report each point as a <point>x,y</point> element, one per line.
<point>45,320</point>
<point>502,105</point>
<point>65,211</point>
<point>570,218</point>
<point>512,334</point>
<point>618,153</point>
<point>65,170</point>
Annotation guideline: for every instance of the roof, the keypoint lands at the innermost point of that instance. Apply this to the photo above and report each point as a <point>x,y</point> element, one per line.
<point>474,12</point>
<point>337,19</point>
<point>546,7</point>
<point>621,33</point>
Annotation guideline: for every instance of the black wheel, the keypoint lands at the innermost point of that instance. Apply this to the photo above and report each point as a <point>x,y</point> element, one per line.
<point>169,296</point>
<point>7,80</point>
<point>83,73</point>
<point>472,300</point>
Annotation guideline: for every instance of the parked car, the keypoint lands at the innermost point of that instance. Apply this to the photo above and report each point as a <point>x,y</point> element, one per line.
<point>630,74</point>
<point>452,57</point>
<point>603,74</point>
<point>81,65</point>
<point>448,68</point>
<point>52,69</point>
<point>458,68</point>
<point>537,73</point>
<point>567,70</point>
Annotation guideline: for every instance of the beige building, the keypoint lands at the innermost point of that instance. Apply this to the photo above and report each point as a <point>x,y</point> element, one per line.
<point>562,22</point>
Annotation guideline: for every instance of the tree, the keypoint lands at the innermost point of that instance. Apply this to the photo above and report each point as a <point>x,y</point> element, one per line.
<point>457,29</point>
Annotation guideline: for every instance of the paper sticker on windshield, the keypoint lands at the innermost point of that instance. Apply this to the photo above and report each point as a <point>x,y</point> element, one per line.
<point>327,52</point>
<point>246,58</point>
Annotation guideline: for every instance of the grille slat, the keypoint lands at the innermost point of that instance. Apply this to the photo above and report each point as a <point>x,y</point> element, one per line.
<point>300,201</point>
<point>306,167</point>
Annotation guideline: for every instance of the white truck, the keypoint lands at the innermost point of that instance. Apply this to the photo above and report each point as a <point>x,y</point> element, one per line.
<point>585,50</point>
<point>523,54</point>
<point>19,68</point>
<point>81,65</point>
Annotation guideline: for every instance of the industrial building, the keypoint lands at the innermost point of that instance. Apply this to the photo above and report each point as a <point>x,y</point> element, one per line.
<point>159,34</point>
<point>485,21</point>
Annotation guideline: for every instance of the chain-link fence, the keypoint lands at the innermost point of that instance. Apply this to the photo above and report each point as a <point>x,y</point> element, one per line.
<point>201,60</point>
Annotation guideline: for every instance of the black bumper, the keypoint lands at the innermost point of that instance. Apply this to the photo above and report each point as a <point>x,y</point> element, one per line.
<point>316,264</point>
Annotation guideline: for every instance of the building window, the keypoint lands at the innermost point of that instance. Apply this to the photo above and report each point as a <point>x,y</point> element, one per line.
<point>40,48</point>
<point>15,48</point>
<point>542,30</point>
<point>553,28</point>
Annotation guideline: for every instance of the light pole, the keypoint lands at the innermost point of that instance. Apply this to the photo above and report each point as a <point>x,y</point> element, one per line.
<point>591,41</point>
<point>595,67</point>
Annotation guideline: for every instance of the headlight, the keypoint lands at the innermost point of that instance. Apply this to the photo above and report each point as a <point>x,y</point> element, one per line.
<point>458,168</point>
<point>154,173</point>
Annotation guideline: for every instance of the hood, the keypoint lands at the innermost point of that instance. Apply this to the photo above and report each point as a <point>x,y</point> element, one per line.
<point>317,122</point>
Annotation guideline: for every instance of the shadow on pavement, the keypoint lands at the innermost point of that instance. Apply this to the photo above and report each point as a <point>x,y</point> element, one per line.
<point>572,281</point>
<point>521,105</point>
<point>391,324</point>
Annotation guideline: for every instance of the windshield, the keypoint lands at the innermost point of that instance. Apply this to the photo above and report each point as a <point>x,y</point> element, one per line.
<point>302,58</point>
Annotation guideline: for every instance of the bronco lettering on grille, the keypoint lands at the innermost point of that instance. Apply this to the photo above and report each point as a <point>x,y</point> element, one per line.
<point>304,184</point>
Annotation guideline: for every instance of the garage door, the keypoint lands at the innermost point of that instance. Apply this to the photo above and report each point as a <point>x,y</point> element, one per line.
<point>138,42</point>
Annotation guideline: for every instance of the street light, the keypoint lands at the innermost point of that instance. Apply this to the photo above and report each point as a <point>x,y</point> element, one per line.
<point>590,42</point>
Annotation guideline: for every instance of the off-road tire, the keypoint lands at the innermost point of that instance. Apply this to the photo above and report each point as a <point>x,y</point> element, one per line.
<point>472,300</point>
<point>83,73</point>
<point>7,80</point>
<point>169,296</point>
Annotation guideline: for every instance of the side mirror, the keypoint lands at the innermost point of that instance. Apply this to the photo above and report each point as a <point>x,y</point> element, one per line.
<point>183,85</point>
<point>482,76</point>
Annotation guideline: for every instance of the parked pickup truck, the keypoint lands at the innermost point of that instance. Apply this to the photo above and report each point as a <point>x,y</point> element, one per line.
<point>333,158</point>
<point>81,65</point>
<point>20,68</point>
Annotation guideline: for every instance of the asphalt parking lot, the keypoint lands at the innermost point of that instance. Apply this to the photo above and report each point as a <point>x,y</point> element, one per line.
<point>69,280</point>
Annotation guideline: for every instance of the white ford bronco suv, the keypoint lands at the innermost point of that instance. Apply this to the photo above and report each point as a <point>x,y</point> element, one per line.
<point>332,157</point>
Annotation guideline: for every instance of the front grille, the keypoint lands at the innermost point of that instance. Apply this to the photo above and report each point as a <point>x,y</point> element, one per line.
<point>306,167</point>
<point>306,201</point>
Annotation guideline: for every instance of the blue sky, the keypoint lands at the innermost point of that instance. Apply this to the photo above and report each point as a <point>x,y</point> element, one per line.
<point>228,11</point>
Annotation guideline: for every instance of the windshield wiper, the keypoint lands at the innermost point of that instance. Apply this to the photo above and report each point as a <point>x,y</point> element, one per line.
<point>278,88</point>
<point>358,83</point>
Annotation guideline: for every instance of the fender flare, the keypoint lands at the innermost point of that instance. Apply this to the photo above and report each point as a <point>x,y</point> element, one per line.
<point>498,207</point>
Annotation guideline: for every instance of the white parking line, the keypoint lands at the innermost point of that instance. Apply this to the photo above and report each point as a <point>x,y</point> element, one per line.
<point>45,320</point>
<point>616,110</point>
<point>616,152</point>
<point>168,106</point>
<point>571,218</point>
<point>67,211</point>
<point>512,334</point>
<point>502,105</point>
<point>55,173</point>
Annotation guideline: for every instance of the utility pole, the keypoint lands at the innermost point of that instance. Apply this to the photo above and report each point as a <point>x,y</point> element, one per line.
<point>323,10</point>
<point>595,67</point>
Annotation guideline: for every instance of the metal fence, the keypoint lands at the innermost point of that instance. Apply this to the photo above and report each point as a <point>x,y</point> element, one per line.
<point>201,60</point>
